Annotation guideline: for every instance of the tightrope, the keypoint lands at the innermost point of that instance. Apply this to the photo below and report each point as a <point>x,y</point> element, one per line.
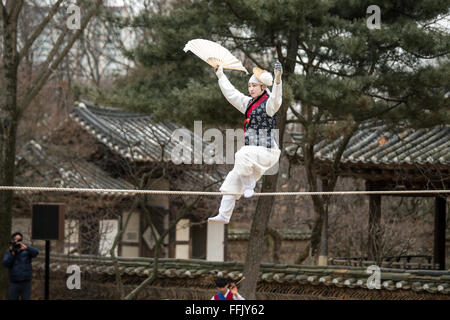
<point>210,193</point>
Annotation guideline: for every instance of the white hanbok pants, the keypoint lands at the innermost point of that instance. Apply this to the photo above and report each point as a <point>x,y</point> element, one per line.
<point>250,163</point>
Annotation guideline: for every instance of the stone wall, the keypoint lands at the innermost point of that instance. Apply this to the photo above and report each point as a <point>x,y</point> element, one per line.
<point>164,289</point>
<point>180,279</point>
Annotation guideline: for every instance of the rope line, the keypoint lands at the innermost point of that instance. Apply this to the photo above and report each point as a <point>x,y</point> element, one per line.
<point>209,193</point>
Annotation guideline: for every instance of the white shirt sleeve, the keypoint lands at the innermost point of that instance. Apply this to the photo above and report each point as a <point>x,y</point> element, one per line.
<point>236,98</point>
<point>275,99</point>
<point>239,297</point>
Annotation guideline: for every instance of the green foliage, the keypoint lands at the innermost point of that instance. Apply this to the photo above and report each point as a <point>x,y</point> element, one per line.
<point>342,68</point>
<point>172,84</point>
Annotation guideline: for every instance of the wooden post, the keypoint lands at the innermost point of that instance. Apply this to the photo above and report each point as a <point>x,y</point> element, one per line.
<point>47,270</point>
<point>439,232</point>
<point>374,224</point>
<point>215,241</point>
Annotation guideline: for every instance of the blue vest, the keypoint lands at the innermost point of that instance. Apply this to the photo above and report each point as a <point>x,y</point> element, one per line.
<point>259,125</point>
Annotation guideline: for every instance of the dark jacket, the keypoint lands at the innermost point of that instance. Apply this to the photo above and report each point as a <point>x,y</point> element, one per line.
<point>19,265</point>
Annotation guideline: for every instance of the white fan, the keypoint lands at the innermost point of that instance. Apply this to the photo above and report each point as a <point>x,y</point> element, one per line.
<point>214,54</point>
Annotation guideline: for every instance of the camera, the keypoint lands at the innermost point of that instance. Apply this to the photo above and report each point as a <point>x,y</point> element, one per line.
<point>15,246</point>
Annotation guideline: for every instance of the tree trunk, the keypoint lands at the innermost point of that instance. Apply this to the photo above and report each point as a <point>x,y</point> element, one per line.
<point>255,248</point>
<point>374,236</point>
<point>264,206</point>
<point>277,243</point>
<point>6,198</point>
<point>8,132</point>
<point>318,205</point>
<point>319,235</point>
<point>10,110</point>
<point>323,252</point>
<point>260,219</point>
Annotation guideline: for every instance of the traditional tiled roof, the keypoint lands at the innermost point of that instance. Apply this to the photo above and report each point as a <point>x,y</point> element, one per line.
<point>374,143</point>
<point>54,168</point>
<point>393,262</point>
<point>135,136</point>
<point>431,281</point>
<point>286,234</point>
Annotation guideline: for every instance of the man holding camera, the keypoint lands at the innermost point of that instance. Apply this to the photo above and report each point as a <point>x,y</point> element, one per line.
<point>17,259</point>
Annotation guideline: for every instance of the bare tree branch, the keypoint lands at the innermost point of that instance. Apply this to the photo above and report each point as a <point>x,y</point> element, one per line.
<point>15,8</point>
<point>39,30</point>
<point>300,118</point>
<point>48,69</point>
<point>154,273</point>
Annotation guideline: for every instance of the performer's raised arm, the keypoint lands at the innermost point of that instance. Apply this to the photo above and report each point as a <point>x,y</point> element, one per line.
<point>275,99</point>
<point>234,96</point>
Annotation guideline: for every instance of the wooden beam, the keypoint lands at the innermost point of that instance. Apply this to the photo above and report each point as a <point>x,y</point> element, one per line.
<point>439,232</point>
<point>412,173</point>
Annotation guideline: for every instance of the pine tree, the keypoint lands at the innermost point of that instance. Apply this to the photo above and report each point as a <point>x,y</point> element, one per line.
<point>168,82</point>
<point>340,71</point>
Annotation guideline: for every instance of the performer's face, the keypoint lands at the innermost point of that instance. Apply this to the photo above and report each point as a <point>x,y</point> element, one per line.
<point>255,89</point>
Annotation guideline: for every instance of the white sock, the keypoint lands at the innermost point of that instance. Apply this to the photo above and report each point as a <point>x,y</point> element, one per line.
<point>219,219</point>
